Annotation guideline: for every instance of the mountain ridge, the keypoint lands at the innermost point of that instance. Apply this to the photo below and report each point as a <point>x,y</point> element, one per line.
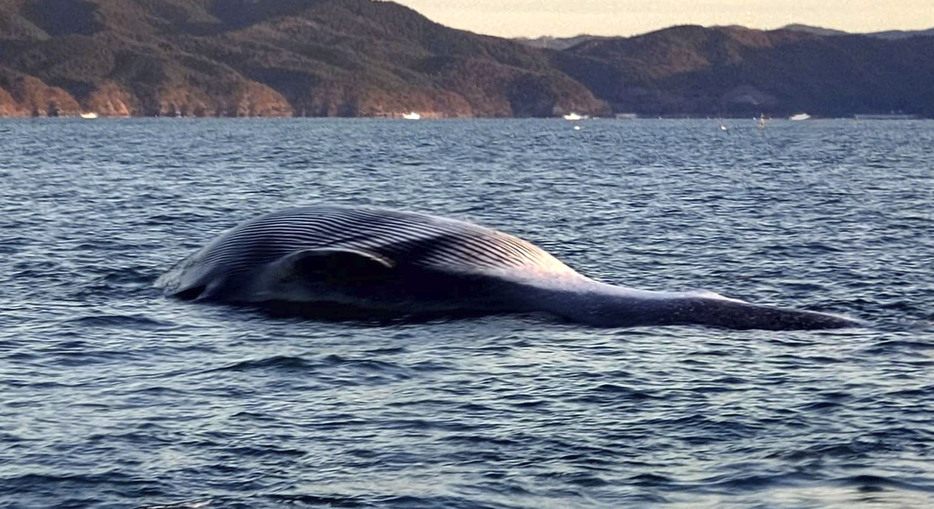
<point>562,43</point>
<point>381,59</point>
<point>266,58</point>
<point>734,71</point>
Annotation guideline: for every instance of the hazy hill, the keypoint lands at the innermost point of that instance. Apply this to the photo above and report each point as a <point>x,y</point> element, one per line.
<point>902,34</point>
<point>557,43</point>
<point>265,57</point>
<point>735,71</point>
<point>888,34</point>
<point>562,43</point>
<point>813,30</point>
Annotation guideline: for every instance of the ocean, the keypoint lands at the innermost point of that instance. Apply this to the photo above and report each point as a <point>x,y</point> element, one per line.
<point>113,396</point>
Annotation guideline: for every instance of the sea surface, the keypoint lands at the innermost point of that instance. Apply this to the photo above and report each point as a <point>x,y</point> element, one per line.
<point>113,396</point>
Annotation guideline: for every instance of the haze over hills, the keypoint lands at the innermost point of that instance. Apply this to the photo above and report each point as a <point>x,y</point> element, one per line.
<point>561,43</point>
<point>887,34</point>
<point>693,70</point>
<point>363,58</point>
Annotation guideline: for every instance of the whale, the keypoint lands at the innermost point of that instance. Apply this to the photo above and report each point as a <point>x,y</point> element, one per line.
<point>339,261</point>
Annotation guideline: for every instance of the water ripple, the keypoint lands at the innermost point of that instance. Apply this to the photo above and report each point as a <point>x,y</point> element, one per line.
<point>112,396</point>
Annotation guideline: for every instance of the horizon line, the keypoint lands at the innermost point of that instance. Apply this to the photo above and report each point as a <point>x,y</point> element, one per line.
<point>731,25</point>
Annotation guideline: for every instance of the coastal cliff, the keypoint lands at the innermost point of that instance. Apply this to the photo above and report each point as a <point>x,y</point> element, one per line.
<point>266,58</point>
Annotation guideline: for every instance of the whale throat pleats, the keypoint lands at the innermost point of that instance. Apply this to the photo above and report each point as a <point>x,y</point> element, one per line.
<point>354,242</point>
<point>397,236</point>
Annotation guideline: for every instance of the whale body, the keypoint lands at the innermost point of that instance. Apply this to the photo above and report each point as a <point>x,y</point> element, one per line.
<point>369,261</point>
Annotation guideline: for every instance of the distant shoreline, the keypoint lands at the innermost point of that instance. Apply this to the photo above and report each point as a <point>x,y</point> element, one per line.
<point>365,59</point>
<point>856,117</point>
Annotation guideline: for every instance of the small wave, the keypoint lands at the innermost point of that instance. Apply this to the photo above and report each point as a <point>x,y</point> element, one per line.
<point>370,364</point>
<point>252,417</point>
<point>530,403</point>
<point>700,429</point>
<point>872,483</point>
<point>131,280</point>
<point>174,219</point>
<point>619,389</point>
<point>575,478</point>
<point>849,451</point>
<point>431,366</point>
<point>608,392</point>
<point>924,392</point>
<point>294,363</point>
<point>387,350</point>
<point>135,321</point>
<point>897,346</point>
<point>475,440</point>
<point>733,483</point>
<point>376,370</point>
<point>320,500</point>
<point>821,406</point>
<point>720,385</point>
<point>190,504</point>
<point>269,451</point>
<point>649,479</point>
<point>105,245</point>
<point>276,362</point>
<point>9,438</point>
<point>129,275</point>
<point>73,484</point>
<point>11,245</point>
<point>157,390</point>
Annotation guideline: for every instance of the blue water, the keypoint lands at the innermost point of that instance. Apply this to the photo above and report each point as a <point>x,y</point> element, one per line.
<point>113,396</point>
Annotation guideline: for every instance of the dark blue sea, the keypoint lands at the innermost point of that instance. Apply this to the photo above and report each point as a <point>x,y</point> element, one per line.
<point>112,396</point>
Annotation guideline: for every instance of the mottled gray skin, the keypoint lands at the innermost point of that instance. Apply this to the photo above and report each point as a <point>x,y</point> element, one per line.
<point>324,260</point>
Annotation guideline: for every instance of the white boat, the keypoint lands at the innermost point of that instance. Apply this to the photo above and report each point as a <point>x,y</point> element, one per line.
<point>572,116</point>
<point>89,115</point>
<point>411,116</point>
<point>799,116</point>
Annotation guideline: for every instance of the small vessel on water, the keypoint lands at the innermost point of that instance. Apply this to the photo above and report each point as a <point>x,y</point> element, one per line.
<point>799,117</point>
<point>411,116</point>
<point>573,116</point>
<point>89,115</point>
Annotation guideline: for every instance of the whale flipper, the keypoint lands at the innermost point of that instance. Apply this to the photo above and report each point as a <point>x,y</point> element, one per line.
<point>334,266</point>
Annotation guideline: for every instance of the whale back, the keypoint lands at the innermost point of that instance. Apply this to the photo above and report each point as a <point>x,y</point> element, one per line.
<point>401,240</point>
